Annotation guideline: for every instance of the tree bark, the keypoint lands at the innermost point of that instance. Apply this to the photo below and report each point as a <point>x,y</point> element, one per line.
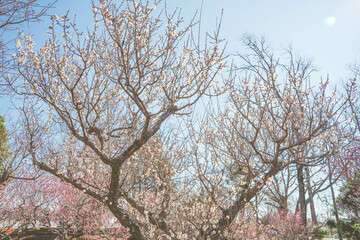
<point>302,199</point>
<point>312,205</point>
<point>335,208</point>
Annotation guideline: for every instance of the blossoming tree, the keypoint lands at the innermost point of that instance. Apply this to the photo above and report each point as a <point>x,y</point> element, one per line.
<point>13,14</point>
<point>96,102</point>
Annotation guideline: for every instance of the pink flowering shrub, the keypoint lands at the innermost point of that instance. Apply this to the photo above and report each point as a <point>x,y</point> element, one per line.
<point>78,214</point>
<point>347,167</point>
<point>49,202</point>
<point>347,164</point>
<point>284,226</point>
<point>243,229</point>
<point>287,226</point>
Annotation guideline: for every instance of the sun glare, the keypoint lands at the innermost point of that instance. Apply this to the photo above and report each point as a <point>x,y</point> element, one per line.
<point>330,21</point>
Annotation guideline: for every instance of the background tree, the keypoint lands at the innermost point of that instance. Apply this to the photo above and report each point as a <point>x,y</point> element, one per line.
<point>4,151</point>
<point>347,166</point>
<point>273,119</point>
<point>13,153</point>
<point>349,202</point>
<point>350,199</point>
<point>281,189</point>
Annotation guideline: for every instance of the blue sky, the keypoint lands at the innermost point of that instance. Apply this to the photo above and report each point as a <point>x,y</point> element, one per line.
<point>328,31</point>
<point>304,23</point>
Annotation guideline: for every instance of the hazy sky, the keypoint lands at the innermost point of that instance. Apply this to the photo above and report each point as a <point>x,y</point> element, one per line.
<point>328,31</point>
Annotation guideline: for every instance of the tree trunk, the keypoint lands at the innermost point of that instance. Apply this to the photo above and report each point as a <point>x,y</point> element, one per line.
<point>124,219</point>
<point>302,199</point>
<point>312,205</point>
<point>339,230</point>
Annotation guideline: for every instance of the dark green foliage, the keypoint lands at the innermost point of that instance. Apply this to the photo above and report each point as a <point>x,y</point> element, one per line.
<point>331,223</point>
<point>320,233</point>
<point>4,149</point>
<point>349,203</point>
<point>351,229</point>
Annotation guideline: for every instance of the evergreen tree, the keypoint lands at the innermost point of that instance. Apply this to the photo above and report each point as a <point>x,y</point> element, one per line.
<point>4,149</point>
